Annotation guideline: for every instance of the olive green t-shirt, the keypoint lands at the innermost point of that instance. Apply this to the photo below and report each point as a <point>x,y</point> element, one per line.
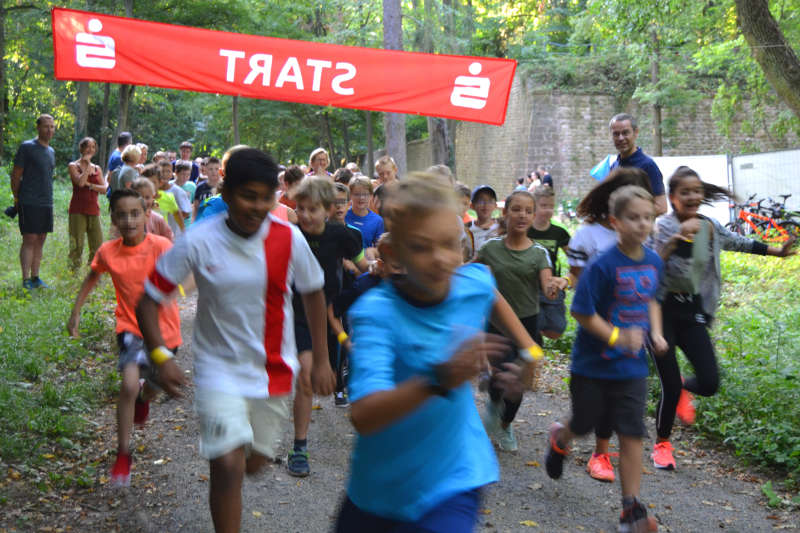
<point>516,273</point>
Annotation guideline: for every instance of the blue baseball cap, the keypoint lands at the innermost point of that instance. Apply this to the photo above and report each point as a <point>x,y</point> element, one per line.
<point>482,188</point>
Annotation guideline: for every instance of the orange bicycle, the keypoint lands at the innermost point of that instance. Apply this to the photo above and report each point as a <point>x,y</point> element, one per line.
<point>755,224</point>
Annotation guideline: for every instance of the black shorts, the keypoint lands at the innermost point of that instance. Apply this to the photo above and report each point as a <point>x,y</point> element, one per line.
<point>35,219</point>
<point>621,402</point>
<point>302,336</point>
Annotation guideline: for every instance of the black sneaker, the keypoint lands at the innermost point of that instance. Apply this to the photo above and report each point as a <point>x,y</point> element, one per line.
<point>634,519</point>
<point>554,458</point>
<point>297,463</point>
<point>340,399</point>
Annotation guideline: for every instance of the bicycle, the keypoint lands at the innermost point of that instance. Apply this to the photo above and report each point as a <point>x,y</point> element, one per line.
<point>765,227</point>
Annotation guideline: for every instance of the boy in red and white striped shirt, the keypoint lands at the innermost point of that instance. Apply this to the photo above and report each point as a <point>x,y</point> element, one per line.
<point>245,359</point>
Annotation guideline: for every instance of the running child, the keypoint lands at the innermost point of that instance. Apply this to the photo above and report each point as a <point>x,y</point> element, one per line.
<point>166,184</point>
<point>207,188</point>
<point>594,237</point>
<point>154,223</point>
<point>292,177</point>
<point>330,242</point>
<point>385,170</point>
<point>360,217</point>
<point>616,311</point>
<point>523,271</point>
<point>484,202</point>
<point>690,244</point>
<point>244,262</point>
<point>552,312</point>
<point>128,259</point>
<point>182,172</point>
<point>165,202</point>
<point>417,343</point>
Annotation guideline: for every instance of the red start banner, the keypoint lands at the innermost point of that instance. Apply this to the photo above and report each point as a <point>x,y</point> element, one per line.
<point>104,48</point>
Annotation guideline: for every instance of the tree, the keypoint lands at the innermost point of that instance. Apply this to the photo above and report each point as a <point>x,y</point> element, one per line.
<point>394,124</point>
<point>770,49</point>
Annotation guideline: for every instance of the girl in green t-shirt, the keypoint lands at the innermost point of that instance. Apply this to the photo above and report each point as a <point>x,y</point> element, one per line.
<point>522,268</point>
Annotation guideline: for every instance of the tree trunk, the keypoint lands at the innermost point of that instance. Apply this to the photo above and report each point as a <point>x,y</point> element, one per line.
<point>326,130</point>
<point>346,139</point>
<point>654,75</point>
<point>769,47</point>
<point>3,93</point>
<point>394,124</point>
<point>104,129</point>
<point>125,96</point>
<point>235,114</point>
<point>368,167</point>
<point>81,115</point>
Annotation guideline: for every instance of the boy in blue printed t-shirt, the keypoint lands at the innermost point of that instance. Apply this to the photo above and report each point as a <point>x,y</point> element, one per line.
<point>360,217</point>
<point>616,310</point>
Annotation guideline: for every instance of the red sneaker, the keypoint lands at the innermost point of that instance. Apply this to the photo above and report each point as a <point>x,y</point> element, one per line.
<point>662,456</point>
<point>685,409</point>
<point>121,471</point>
<point>141,409</point>
<point>600,467</point>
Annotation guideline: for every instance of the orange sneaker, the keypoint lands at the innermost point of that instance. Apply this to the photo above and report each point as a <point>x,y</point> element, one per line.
<point>685,409</point>
<point>662,456</point>
<point>600,468</point>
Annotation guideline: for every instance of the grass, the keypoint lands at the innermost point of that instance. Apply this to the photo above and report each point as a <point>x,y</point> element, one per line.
<point>50,384</point>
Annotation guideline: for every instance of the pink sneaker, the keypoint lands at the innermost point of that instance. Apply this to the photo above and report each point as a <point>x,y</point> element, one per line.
<point>600,467</point>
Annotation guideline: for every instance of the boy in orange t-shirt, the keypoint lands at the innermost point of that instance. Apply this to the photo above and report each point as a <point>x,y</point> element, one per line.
<point>128,260</point>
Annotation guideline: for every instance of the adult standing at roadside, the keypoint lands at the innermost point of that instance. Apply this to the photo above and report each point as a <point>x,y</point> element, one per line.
<point>624,130</point>
<point>115,159</point>
<point>32,187</point>
<point>84,211</point>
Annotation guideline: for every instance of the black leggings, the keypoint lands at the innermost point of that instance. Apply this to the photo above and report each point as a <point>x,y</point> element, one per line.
<point>685,326</point>
<point>497,392</point>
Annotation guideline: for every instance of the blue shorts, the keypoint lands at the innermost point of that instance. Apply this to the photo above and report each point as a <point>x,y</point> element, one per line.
<point>455,515</point>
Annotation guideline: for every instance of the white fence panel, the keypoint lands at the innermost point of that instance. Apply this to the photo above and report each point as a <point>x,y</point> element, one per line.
<point>768,175</point>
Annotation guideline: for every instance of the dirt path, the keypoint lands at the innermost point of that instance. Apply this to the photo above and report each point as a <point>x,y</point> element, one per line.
<point>169,484</point>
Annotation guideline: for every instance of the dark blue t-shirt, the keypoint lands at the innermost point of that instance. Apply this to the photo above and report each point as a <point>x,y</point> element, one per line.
<point>618,289</point>
<point>114,160</point>
<point>641,160</point>
<point>370,226</point>
<point>37,162</point>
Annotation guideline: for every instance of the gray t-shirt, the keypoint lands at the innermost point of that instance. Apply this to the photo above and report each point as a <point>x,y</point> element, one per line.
<point>121,177</point>
<point>37,162</point>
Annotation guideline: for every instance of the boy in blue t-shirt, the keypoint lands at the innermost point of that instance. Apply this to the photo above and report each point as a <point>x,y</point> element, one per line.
<point>616,309</point>
<point>360,217</point>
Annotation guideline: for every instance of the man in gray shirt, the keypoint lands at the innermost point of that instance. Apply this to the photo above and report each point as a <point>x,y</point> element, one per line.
<point>32,187</point>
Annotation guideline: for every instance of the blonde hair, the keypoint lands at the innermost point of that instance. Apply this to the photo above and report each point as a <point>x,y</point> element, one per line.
<point>143,183</point>
<point>543,191</point>
<point>315,153</point>
<point>360,181</point>
<point>622,197</point>
<point>318,190</point>
<point>416,197</point>
<point>385,161</point>
<point>131,154</point>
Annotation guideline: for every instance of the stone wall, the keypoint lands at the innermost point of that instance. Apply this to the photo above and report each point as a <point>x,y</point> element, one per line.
<point>568,133</point>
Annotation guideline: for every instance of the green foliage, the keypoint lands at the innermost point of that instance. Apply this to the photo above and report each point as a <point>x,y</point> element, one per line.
<point>49,383</point>
<point>757,410</point>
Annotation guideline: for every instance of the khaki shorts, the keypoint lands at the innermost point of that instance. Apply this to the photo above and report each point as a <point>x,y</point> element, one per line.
<point>228,422</point>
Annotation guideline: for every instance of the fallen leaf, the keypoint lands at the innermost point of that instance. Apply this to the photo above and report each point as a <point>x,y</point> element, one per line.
<point>535,486</point>
<point>532,463</point>
<point>178,428</point>
<point>316,407</point>
<point>48,456</point>
<point>485,511</point>
<point>158,462</point>
<point>529,523</point>
<point>706,502</point>
<point>257,514</point>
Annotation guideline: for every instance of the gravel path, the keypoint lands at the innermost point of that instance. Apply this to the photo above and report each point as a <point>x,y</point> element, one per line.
<point>169,489</point>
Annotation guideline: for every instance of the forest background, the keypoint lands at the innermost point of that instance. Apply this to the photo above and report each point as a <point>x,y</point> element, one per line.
<point>663,54</point>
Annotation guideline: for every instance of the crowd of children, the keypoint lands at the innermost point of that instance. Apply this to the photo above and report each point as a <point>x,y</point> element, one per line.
<point>389,295</point>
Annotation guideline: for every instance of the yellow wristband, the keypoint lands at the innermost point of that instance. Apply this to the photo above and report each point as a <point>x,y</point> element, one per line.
<point>160,355</point>
<point>612,340</point>
<point>181,291</point>
<point>569,281</point>
<point>534,353</point>
<point>341,337</point>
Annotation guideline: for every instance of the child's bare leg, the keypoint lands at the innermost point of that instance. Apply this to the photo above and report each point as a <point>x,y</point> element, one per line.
<point>630,465</point>
<point>128,391</point>
<point>601,445</point>
<point>254,463</point>
<point>303,397</point>
<point>225,491</point>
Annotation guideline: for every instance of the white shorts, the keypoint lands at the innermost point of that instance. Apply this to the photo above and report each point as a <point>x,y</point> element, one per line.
<point>228,422</point>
